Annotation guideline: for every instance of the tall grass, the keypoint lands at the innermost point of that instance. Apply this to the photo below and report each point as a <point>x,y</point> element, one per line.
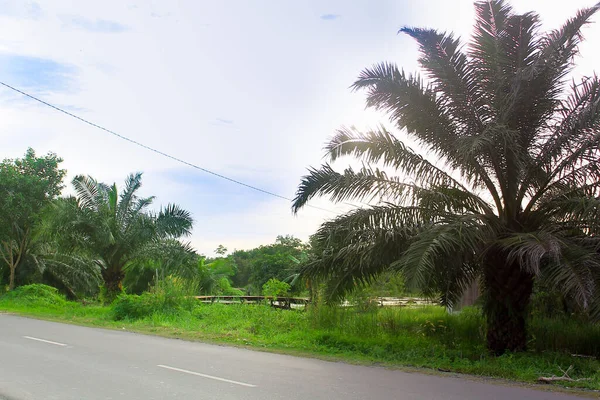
<point>170,296</point>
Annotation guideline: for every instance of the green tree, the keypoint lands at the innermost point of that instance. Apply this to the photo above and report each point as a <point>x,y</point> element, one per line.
<point>216,275</point>
<point>514,193</point>
<point>115,229</point>
<point>274,288</point>
<point>221,250</point>
<point>279,260</point>
<point>27,186</point>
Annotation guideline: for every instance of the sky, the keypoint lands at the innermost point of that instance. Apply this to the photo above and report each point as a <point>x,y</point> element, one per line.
<point>250,90</point>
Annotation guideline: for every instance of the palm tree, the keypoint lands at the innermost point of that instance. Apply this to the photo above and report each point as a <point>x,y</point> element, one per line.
<point>513,193</point>
<point>115,229</point>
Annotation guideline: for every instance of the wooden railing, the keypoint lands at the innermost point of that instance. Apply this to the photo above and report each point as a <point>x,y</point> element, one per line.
<point>277,302</point>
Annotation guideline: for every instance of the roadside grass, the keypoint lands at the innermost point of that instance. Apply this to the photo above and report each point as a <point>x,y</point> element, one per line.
<point>425,337</point>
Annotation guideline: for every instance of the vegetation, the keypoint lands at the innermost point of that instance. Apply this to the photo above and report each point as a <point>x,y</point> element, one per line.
<point>104,242</point>
<point>415,337</point>
<point>274,288</point>
<point>115,229</point>
<point>512,200</point>
<point>513,197</point>
<point>280,260</point>
<point>27,186</point>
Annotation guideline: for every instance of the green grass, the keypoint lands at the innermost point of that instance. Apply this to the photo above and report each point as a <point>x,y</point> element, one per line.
<point>424,337</point>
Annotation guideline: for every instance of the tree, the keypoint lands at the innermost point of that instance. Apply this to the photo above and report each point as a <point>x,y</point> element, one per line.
<point>221,250</point>
<point>215,275</point>
<point>115,228</point>
<point>274,288</point>
<point>278,260</point>
<point>27,186</point>
<point>514,193</point>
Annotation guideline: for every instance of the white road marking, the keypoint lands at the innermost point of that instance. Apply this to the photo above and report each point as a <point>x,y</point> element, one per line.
<point>206,376</point>
<point>45,341</point>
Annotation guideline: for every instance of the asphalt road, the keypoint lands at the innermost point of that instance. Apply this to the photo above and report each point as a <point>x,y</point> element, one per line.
<point>47,360</point>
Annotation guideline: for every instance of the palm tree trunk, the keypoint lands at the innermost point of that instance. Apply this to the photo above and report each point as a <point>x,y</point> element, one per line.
<point>507,292</point>
<point>113,283</point>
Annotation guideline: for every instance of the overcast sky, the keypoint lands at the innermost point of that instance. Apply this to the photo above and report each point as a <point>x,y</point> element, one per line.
<point>248,89</point>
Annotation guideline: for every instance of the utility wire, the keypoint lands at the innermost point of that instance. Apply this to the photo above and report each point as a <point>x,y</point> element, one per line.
<point>153,149</point>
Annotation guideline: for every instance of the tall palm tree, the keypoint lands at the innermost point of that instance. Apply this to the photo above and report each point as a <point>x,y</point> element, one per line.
<point>115,229</point>
<point>511,192</point>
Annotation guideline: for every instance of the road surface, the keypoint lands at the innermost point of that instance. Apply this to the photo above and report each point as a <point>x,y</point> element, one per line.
<point>47,360</point>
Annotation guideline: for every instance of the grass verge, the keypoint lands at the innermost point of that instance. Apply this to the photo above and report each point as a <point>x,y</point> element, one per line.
<point>399,337</point>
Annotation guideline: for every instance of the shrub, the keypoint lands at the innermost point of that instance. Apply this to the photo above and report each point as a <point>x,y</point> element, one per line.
<point>224,288</point>
<point>35,295</point>
<point>274,287</point>
<point>133,306</point>
<point>170,296</point>
<point>107,297</point>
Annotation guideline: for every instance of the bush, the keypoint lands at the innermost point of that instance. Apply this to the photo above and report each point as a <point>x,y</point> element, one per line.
<point>224,288</point>
<point>170,296</point>
<point>274,287</point>
<point>35,295</point>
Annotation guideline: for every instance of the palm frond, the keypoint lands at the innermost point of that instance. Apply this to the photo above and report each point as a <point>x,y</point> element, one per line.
<point>370,184</point>
<point>365,184</point>
<point>128,198</point>
<point>356,247</point>
<point>417,109</point>
<point>485,49</point>
<point>173,221</point>
<point>573,212</point>
<point>443,258</point>
<point>530,250</point>
<point>88,191</point>
<point>451,74</point>
<point>573,144</point>
<point>381,146</point>
<point>576,273</point>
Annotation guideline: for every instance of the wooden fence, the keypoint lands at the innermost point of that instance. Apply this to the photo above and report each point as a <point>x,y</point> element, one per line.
<point>277,302</point>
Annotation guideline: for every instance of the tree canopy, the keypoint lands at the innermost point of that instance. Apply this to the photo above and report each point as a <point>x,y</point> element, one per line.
<point>27,186</point>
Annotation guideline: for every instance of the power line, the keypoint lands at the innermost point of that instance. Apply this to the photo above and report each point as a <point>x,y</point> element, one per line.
<point>153,149</point>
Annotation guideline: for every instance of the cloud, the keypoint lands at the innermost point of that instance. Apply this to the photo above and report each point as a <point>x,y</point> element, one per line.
<point>21,9</point>
<point>225,121</point>
<point>210,194</point>
<point>159,15</point>
<point>98,25</point>
<point>329,17</point>
<point>39,74</point>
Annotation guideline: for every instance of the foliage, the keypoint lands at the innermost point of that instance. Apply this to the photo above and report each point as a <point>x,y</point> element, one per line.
<point>274,288</point>
<point>221,250</point>
<point>157,261</point>
<point>27,186</point>
<point>115,228</point>
<point>35,294</point>
<point>514,194</point>
<point>73,273</point>
<point>215,277</point>
<point>224,288</point>
<point>279,260</point>
<point>171,295</point>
